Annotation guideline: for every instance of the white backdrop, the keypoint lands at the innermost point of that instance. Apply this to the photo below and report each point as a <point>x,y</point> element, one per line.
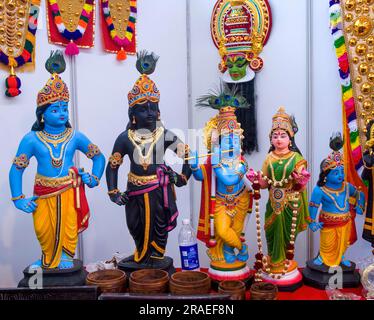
<point>103,83</point>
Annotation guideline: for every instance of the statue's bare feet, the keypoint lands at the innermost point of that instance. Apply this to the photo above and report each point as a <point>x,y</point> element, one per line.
<point>318,261</point>
<point>66,261</point>
<point>243,253</point>
<point>346,262</point>
<point>37,264</point>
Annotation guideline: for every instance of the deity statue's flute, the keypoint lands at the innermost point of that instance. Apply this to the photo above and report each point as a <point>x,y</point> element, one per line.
<point>208,154</point>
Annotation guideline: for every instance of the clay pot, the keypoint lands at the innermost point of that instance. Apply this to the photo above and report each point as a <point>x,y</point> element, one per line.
<point>264,291</point>
<point>235,288</point>
<point>190,283</point>
<point>149,281</point>
<point>113,281</point>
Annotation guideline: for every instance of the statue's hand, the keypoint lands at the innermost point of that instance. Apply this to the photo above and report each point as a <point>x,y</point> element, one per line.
<point>27,205</point>
<point>301,178</point>
<point>359,210</point>
<point>216,156</point>
<point>251,175</point>
<point>119,198</point>
<point>314,226</point>
<point>194,163</point>
<point>87,179</point>
<point>173,176</point>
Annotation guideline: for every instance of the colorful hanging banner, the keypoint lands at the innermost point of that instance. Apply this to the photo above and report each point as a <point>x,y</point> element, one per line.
<point>352,25</point>
<point>71,23</point>
<point>118,25</point>
<point>18,25</point>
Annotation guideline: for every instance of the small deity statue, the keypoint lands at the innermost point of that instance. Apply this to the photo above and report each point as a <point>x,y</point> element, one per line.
<point>225,200</point>
<point>368,175</point>
<point>339,201</point>
<point>151,210</point>
<point>284,174</point>
<point>59,206</point>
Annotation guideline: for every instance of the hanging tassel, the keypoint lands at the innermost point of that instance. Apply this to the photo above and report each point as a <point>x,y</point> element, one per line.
<point>121,55</point>
<point>12,84</point>
<point>72,49</point>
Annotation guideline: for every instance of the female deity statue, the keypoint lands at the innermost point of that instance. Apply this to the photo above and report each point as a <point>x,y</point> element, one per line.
<point>368,175</point>
<point>284,174</point>
<point>225,200</point>
<point>151,210</point>
<point>59,206</point>
<point>339,202</point>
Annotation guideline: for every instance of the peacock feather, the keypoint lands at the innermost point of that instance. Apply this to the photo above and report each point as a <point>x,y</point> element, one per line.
<point>146,62</point>
<point>56,62</point>
<point>336,141</point>
<point>223,96</point>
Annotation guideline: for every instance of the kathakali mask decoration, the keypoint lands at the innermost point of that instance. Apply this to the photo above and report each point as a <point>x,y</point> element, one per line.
<point>71,23</point>
<point>240,29</point>
<point>18,24</point>
<point>118,19</point>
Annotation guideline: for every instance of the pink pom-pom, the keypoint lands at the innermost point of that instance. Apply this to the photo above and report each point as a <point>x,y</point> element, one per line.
<point>72,49</point>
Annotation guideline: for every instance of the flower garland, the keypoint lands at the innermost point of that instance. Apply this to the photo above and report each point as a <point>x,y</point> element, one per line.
<point>13,83</point>
<point>349,112</point>
<point>130,29</point>
<point>72,48</point>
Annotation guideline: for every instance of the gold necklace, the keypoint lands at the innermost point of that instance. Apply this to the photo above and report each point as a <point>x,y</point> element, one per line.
<point>55,140</point>
<point>331,196</point>
<point>231,163</point>
<point>56,161</point>
<point>145,160</point>
<point>284,180</point>
<point>143,138</point>
<point>56,136</point>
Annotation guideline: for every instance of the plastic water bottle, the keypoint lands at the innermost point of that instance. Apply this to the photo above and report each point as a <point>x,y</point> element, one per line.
<point>188,247</point>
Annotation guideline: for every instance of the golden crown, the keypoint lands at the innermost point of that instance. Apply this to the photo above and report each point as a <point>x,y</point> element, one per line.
<point>334,160</point>
<point>224,122</point>
<point>281,120</point>
<point>54,90</point>
<point>144,90</point>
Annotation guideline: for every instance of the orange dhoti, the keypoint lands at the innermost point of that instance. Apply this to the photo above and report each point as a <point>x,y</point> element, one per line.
<point>59,217</point>
<point>336,236</point>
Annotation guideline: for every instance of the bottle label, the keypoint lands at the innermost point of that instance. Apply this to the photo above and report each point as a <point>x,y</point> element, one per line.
<point>189,257</point>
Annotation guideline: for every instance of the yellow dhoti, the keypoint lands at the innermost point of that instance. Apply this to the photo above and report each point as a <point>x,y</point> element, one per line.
<point>55,223</point>
<point>335,237</point>
<point>229,217</point>
<point>59,216</point>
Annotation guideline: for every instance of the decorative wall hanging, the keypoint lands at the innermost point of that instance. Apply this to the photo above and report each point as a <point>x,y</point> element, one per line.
<point>18,24</point>
<point>118,19</point>
<point>352,28</point>
<point>240,29</point>
<point>71,23</point>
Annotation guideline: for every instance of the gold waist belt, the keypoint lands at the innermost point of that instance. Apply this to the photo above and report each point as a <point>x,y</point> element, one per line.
<point>142,180</point>
<point>52,182</point>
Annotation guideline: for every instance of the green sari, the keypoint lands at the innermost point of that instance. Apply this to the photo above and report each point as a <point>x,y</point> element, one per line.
<point>279,209</point>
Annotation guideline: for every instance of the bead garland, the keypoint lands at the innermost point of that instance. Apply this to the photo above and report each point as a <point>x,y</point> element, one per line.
<point>262,261</point>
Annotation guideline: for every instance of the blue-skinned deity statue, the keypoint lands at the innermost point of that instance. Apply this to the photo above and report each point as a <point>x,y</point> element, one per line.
<point>225,199</point>
<point>339,202</point>
<point>58,205</point>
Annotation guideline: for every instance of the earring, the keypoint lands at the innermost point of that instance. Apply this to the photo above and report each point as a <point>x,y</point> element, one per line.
<point>290,144</point>
<point>324,179</point>
<point>42,120</point>
<point>158,116</point>
<point>133,120</point>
